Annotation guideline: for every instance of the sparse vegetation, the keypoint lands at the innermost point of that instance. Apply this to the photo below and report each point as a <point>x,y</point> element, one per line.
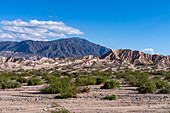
<point>22,80</point>
<point>34,81</point>
<point>10,84</point>
<point>65,87</point>
<point>83,81</point>
<point>100,80</point>
<point>111,84</point>
<point>85,89</point>
<point>165,89</point>
<point>147,87</point>
<point>112,97</point>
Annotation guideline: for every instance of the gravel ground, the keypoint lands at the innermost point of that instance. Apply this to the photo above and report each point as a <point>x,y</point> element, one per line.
<point>27,99</point>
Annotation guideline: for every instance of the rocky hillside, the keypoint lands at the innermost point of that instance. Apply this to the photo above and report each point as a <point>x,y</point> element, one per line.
<point>112,58</point>
<point>136,57</point>
<point>70,47</point>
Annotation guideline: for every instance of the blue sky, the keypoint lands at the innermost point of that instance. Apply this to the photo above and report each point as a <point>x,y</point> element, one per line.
<point>125,24</point>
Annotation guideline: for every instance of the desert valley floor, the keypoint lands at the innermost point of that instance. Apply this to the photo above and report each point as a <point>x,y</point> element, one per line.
<point>27,99</point>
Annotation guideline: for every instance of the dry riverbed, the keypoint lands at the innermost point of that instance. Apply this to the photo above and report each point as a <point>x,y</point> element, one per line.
<point>27,99</point>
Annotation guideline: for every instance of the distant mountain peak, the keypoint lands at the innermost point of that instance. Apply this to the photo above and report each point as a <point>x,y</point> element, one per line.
<point>69,47</point>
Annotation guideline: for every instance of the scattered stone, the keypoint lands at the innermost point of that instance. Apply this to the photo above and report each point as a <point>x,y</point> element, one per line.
<point>44,109</point>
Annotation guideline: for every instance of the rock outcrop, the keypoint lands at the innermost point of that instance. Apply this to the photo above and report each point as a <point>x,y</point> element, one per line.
<point>136,57</point>
<point>123,57</point>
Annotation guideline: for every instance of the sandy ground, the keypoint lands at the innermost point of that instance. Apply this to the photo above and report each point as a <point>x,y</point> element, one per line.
<point>27,100</point>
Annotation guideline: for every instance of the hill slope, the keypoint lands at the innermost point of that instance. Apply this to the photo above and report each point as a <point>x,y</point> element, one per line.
<point>136,57</point>
<point>70,47</point>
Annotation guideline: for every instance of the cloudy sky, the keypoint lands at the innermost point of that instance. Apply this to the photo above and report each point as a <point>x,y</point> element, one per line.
<point>19,30</point>
<point>128,24</point>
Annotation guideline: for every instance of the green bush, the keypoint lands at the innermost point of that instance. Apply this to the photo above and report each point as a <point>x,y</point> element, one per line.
<point>165,89</point>
<point>25,74</point>
<point>111,84</point>
<point>91,81</point>
<point>22,80</point>
<point>139,79</point>
<point>159,84</point>
<point>156,78</point>
<point>112,97</point>
<point>64,86</point>
<point>34,81</point>
<point>83,81</point>
<point>52,89</point>
<point>148,87</point>
<point>60,111</point>
<point>12,76</point>
<point>167,76</point>
<point>159,73</point>
<point>56,74</point>
<point>118,76</point>
<point>85,89</point>
<point>106,73</point>
<point>100,80</point>
<point>50,79</point>
<point>10,84</point>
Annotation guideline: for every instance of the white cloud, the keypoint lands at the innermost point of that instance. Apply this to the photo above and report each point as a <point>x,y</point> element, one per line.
<point>18,30</point>
<point>148,50</point>
<point>52,16</point>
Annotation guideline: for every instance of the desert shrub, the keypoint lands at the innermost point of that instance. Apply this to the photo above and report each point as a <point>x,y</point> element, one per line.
<point>56,74</point>
<point>154,67</point>
<point>83,81</point>
<point>34,81</point>
<point>91,80</point>
<point>37,72</point>
<point>100,80</point>
<point>50,78</point>
<point>76,75</point>
<point>52,89</point>
<point>139,79</point>
<point>21,70</point>
<point>119,76</point>
<point>12,76</point>
<point>156,78</point>
<point>116,73</point>
<point>64,86</point>
<point>10,84</point>
<point>165,89</point>
<point>22,80</point>
<point>147,87</point>
<point>167,76</point>
<point>127,77</point>
<point>25,74</point>
<point>111,84</point>
<point>85,89</point>
<point>60,111</point>
<point>3,79</point>
<point>106,73</point>
<point>65,73</point>
<point>159,84</point>
<point>158,72</point>
<point>112,97</point>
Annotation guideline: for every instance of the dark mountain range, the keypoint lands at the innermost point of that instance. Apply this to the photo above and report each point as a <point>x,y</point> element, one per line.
<point>70,47</point>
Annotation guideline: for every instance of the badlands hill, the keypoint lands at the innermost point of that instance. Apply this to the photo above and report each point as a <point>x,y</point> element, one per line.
<point>136,57</point>
<point>70,47</point>
<point>113,57</point>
